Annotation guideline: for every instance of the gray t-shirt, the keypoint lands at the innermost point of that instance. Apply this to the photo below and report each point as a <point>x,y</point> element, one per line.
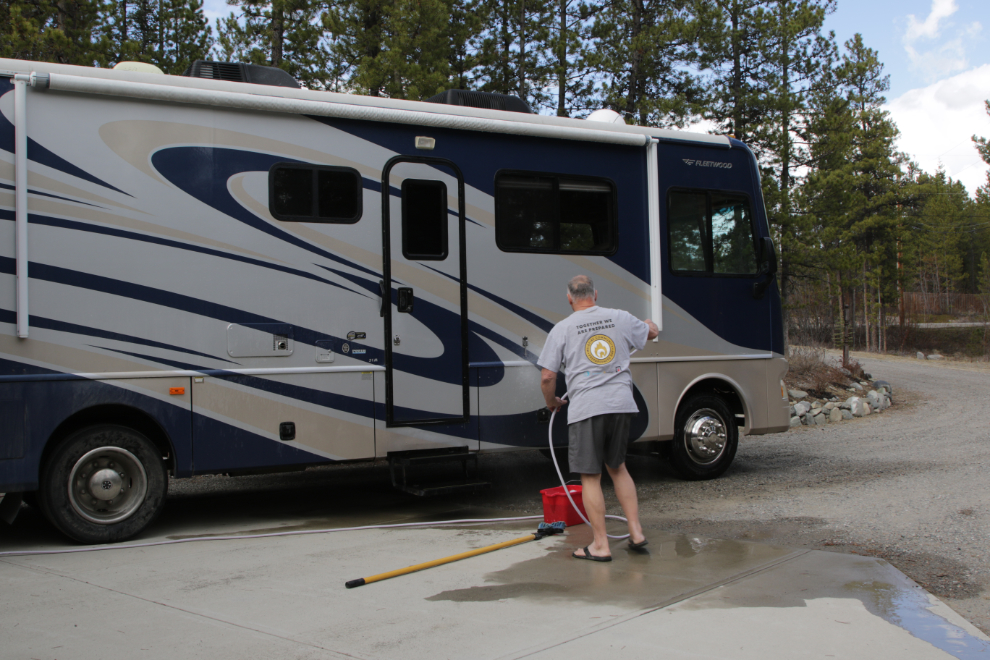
<point>595,345</point>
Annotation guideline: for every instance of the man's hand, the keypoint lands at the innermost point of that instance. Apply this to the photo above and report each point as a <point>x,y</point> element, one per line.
<point>654,330</point>
<point>548,384</point>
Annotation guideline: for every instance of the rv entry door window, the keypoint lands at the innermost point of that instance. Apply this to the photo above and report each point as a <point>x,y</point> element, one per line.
<point>424,220</point>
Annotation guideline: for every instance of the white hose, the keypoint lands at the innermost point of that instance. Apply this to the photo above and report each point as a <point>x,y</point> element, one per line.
<point>234,537</point>
<point>553,456</point>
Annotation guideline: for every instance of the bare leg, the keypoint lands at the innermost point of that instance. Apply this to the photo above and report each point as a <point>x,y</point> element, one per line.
<point>625,490</point>
<point>594,506</point>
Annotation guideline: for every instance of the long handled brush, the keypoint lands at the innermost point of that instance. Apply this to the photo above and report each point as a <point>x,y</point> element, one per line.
<point>542,531</point>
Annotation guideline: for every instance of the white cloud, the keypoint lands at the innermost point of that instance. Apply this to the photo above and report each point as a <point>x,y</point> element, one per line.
<point>929,28</point>
<point>937,122</point>
<point>935,60</point>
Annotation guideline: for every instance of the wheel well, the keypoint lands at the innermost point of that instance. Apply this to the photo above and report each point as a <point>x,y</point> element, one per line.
<point>114,414</point>
<point>721,389</point>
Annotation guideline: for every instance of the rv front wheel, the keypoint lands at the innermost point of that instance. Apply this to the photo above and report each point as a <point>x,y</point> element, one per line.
<point>103,484</point>
<point>705,438</point>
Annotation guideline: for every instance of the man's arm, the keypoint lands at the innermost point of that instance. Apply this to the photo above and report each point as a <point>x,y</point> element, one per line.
<point>548,383</point>
<point>654,330</point>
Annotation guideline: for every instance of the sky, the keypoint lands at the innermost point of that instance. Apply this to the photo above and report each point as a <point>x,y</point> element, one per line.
<point>937,53</point>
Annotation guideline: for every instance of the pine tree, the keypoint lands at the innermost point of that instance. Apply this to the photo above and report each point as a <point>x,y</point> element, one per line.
<point>796,52</point>
<point>66,32</point>
<point>567,41</point>
<point>511,53</point>
<point>642,50</point>
<point>733,37</point>
<point>170,34</point>
<point>852,195</point>
<point>281,33</point>
<point>405,49</point>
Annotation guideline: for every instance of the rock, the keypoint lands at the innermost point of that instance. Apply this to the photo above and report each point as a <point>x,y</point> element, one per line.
<point>846,414</point>
<point>792,410</point>
<point>821,420</point>
<point>867,375</point>
<point>835,415</point>
<point>857,407</point>
<point>847,404</point>
<point>800,409</point>
<point>874,399</point>
<point>855,387</point>
<point>921,356</point>
<point>808,420</point>
<point>797,394</point>
<point>845,371</point>
<point>883,385</point>
<point>829,406</point>
<point>935,356</point>
<point>795,421</point>
<point>815,405</point>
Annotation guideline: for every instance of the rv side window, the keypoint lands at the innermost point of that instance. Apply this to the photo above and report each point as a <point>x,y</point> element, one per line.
<point>710,233</point>
<point>424,220</point>
<point>301,193</point>
<point>551,213</point>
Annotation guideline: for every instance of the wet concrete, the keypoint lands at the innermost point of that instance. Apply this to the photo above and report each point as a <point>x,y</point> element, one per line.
<point>283,597</point>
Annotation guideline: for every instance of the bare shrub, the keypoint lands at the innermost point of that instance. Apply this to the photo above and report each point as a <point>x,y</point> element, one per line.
<point>809,366</point>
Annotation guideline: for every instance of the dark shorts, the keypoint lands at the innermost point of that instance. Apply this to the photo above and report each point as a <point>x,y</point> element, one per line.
<point>596,440</point>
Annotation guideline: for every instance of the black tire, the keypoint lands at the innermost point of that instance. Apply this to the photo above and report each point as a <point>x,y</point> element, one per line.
<point>562,460</point>
<point>117,491</point>
<point>707,448</point>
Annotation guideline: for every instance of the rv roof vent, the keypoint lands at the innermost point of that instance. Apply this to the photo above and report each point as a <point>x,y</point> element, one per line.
<point>238,72</point>
<point>488,100</point>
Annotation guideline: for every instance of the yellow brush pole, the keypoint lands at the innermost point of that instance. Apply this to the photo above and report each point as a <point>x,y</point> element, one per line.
<point>437,562</point>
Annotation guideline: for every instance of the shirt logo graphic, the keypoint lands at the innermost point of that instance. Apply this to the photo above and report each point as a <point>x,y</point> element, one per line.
<point>599,349</point>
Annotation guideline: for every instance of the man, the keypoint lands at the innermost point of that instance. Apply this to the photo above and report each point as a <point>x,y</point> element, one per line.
<point>595,344</point>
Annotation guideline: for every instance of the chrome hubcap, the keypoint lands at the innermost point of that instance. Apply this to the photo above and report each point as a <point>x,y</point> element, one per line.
<point>107,485</point>
<point>705,436</point>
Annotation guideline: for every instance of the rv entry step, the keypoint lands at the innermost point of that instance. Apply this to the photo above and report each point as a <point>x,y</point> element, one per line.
<point>400,462</point>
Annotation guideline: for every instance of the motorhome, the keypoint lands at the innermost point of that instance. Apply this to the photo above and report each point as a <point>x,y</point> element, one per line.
<point>224,273</point>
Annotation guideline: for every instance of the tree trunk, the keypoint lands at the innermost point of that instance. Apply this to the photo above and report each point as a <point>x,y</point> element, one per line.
<point>277,33</point>
<point>562,61</point>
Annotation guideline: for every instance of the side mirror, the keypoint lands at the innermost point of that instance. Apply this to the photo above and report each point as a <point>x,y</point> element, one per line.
<point>768,256</point>
<point>768,267</point>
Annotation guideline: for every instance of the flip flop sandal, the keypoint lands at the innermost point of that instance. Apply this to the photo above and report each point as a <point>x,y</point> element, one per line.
<point>638,546</point>
<point>587,555</point>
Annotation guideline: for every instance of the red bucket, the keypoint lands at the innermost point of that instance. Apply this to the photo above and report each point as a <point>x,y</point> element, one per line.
<point>556,506</point>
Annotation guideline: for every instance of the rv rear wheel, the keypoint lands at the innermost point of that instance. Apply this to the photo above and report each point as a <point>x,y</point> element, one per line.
<point>705,438</point>
<point>103,484</point>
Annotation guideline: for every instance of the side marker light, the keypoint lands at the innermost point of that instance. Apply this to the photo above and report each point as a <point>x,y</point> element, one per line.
<point>176,390</point>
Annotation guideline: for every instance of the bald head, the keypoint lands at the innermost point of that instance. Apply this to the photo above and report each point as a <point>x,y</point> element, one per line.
<point>581,288</point>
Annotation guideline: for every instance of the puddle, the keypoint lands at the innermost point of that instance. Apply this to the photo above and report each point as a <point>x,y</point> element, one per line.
<point>908,608</point>
<point>670,567</point>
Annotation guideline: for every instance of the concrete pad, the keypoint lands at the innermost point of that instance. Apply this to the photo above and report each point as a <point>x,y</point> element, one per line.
<point>284,597</point>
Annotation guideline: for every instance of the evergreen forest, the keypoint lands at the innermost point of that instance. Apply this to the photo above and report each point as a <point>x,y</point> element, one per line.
<point>871,247</point>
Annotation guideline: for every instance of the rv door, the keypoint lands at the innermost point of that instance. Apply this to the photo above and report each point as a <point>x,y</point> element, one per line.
<point>424,288</point>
